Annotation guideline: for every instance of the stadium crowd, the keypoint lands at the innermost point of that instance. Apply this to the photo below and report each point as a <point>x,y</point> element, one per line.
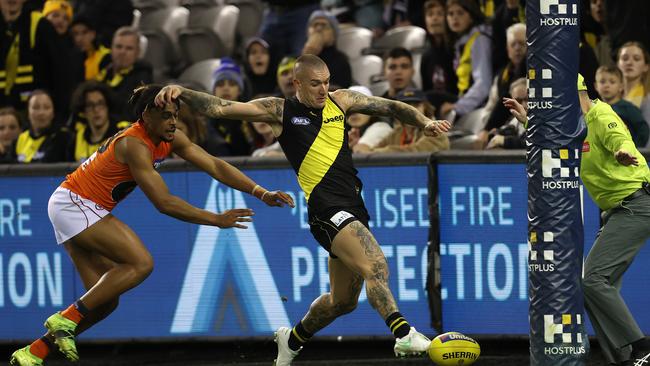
<point>68,67</point>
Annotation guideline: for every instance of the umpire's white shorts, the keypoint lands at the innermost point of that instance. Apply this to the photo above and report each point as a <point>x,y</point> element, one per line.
<point>71,214</point>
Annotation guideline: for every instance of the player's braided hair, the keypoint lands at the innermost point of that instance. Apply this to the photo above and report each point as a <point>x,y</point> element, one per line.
<point>143,98</point>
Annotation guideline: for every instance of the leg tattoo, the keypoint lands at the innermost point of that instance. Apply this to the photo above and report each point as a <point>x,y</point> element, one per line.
<point>324,309</point>
<point>379,295</point>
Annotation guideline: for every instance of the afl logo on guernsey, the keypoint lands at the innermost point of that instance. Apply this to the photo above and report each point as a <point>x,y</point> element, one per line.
<point>333,119</point>
<point>300,121</point>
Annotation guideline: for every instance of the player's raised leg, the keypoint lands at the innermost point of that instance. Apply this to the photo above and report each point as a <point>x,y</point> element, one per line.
<point>357,248</point>
<point>111,260</point>
<point>345,287</point>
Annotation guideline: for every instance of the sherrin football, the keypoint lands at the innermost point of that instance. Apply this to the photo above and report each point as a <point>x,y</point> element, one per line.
<point>454,349</point>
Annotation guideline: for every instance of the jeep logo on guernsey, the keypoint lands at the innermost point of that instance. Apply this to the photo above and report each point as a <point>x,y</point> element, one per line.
<point>558,165</point>
<point>300,121</point>
<point>546,7</point>
<point>334,119</point>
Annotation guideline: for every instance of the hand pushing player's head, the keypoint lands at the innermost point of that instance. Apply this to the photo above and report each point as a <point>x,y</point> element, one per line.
<point>160,122</point>
<point>312,80</point>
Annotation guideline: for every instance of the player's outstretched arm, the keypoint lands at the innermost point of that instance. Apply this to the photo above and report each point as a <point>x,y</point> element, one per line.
<point>226,173</point>
<point>136,155</point>
<point>267,110</point>
<point>356,102</point>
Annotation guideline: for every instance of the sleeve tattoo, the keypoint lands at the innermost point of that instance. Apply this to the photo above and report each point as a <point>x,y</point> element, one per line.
<point>273,107</point>
<point>378,106</point>
<point>204,103</point>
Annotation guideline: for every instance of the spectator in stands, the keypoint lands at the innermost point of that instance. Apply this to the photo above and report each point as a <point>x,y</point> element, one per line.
<point>366,132</point>
<point>437,69</point>
<point>27,56</point>
<point>495,113</point>
<point>9,131</point>
<point>106,16</point>
<point>509,12</point>
<point>633,60</point>
<point>285,78</point>
<point>92,101</point>
<point>407,138</point>
<point>321,41</point>
<point>59,13</point>
<point>258,67</point>
<point>284,25</point>
<point>70,59</point>
<point>263,141</point>
<point>609,84</point>
<point>195,126</point>
<point>85,38</point>
<point>594,32</point>
<point>472,57</point>
<point>125,72</point>
<point>227,85</point>
<point>627,20</point>
<point>43,142</point>
<point>513,134</point>
<point>399,71</point>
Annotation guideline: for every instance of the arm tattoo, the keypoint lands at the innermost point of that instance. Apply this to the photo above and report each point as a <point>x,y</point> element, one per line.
<point>204,103</point>
<point>377,106</point>
<point>273,107</point>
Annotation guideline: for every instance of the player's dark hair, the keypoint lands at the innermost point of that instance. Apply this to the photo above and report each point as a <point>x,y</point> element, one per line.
<point>143,97</point>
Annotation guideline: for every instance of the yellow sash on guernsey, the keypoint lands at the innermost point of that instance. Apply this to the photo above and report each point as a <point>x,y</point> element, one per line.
<point>324,150</point>
<point>464,69</point>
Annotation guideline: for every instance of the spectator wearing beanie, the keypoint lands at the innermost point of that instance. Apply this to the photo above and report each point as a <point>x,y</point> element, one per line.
<point>228,85</point>
<point>259,67</point>
<point>322,31</point>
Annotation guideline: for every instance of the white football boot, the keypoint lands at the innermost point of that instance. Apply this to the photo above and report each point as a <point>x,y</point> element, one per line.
<point>413,344</point>
<point>285,353</point>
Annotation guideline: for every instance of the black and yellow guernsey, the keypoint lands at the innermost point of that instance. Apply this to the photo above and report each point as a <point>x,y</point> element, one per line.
<point>315,142</point>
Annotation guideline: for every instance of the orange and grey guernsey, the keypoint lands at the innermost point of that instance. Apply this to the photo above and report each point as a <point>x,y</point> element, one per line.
<point>315,142</point>
<point>104,180</point>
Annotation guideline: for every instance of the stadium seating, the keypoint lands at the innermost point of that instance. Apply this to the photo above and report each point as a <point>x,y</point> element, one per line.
<point>201,74</point>
<point>161,29</point>
<point>251,13</point>
<point>353,40</point>
<point>409,37</point>
<point>463,133</point>
<point>137,14</point>
<point>365,67</point>
<point>210,34</point>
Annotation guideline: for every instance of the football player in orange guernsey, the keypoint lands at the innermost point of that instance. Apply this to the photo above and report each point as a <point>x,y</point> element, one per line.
<point>108,255</point>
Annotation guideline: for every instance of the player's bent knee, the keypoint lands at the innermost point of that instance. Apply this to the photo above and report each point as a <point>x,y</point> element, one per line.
<point>143,267</point>
<point>345,307</point>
